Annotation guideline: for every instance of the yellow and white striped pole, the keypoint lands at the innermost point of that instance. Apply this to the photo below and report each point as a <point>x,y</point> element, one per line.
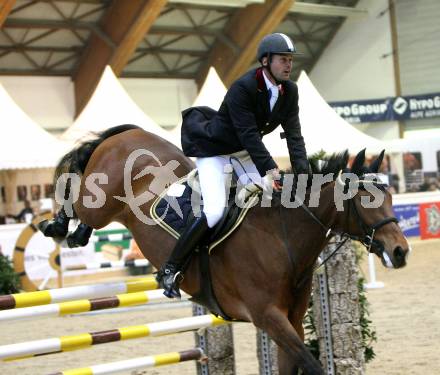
<point>74,342</point>
<point>112,264</point>
<point>46,297</point>
<point>138,363</point>
<point>85,305</point>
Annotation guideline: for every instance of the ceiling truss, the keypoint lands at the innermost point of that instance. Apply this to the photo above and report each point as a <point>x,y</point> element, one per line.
<point>53,37</point>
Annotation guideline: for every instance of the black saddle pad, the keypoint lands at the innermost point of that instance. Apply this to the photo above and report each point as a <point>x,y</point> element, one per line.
<point>176,211</point>
<point>173,209</point>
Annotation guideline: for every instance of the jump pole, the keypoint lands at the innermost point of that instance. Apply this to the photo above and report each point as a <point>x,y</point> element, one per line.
<point>45,297</point>
<point>81,341</point>
<point>113,264</point>
<point>85,305</point>
<point>138,363</point>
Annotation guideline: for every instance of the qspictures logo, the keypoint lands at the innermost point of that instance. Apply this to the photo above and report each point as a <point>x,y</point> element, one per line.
<point>162,176</point>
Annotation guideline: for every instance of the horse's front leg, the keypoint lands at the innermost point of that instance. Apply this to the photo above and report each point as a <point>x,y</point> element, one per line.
<point>285,364</point>
<point>296,316</point>
<point>294,353</point>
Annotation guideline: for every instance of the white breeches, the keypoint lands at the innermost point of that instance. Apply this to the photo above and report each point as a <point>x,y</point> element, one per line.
<point>215,180</point>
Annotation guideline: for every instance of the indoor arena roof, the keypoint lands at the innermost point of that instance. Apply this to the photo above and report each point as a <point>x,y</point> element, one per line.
<point>158,38</point>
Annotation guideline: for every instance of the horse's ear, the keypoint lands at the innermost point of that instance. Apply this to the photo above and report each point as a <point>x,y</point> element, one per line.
<point>345,157</point>
<point>375,165</point>
<point>358,164</point>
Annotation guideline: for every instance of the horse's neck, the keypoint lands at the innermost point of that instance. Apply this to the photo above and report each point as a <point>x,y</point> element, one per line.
<point>313,236</point>
<point>326,211</point>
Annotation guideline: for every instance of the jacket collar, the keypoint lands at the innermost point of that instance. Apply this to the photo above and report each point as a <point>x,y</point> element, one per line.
<point>261,84</point>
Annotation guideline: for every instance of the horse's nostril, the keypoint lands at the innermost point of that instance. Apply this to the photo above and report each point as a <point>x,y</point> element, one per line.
<point>400,253</point>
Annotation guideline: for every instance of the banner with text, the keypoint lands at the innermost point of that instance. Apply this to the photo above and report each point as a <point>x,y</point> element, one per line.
<point>409,218</point>
<point>389,109</point>
<point>430,220</point>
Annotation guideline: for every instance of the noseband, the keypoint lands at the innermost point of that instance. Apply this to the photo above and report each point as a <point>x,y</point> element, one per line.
<point>367,239</point>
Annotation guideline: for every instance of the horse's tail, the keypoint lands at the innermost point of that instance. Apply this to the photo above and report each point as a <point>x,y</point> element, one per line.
<point>75,161</point>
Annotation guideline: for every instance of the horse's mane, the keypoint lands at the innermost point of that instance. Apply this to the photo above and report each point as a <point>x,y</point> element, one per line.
<point>75,161</point>
<point>334,164</point>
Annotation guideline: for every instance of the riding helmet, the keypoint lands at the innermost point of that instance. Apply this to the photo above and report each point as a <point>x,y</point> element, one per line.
<point>276,43</point>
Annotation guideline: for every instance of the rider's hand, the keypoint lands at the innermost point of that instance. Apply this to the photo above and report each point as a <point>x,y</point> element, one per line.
<point>277,186</point>
<point>274,174</point>
<point>272,180</point>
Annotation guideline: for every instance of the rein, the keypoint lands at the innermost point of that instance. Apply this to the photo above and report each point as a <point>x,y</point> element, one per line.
<point>328,234</point>
<point>367,239</point>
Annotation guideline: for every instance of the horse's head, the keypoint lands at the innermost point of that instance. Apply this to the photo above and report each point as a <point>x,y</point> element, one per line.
<point>368,213</point>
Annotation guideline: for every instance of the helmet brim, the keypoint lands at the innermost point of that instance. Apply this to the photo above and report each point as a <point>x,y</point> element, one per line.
<point>287,53</point>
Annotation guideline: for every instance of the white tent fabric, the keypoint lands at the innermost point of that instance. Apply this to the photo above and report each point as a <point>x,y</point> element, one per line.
<point>23,143</point>
<point>211,95</point>
<point>322,128</point>
<point>109,106</point>
<point>212,92</point>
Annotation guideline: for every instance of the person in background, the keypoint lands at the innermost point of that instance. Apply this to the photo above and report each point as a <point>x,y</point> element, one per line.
<point>27,210</point>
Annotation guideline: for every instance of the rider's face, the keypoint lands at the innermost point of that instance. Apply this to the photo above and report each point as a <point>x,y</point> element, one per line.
<point>281,66</point>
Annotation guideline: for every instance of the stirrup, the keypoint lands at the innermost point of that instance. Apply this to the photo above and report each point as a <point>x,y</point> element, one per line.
<point>178,277</point>
<point>173,291</point>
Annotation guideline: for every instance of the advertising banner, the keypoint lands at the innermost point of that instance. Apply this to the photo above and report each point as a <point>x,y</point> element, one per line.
<point>389,109</point>
<point>409,219</point>
<point>430,220</point>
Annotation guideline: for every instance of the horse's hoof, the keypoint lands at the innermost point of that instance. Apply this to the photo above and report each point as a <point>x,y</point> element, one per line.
<point>171,293</point>
<point>43,227</point>
<point>52,229</point>
<point>73,240</point>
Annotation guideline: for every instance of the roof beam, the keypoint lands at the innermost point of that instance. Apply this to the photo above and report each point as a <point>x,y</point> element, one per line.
<point>48,24</point>
<point>219,3</point>
<point>141,74</point>
<point>39,72</point>
<point>185,30</point>
<point>5,8</point>
<point>246,28</point>
<point>327,10</point>
<point>125,24</point>
<point>23,47</point>
<point>83,1</point>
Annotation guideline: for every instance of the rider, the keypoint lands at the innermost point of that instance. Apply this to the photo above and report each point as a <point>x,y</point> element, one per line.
<point>254,106</point>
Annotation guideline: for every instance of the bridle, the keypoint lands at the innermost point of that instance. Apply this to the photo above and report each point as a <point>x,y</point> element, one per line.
<point>367,238</point>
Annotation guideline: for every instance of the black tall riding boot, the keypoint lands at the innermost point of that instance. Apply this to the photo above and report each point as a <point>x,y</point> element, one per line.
<point>171,273</point>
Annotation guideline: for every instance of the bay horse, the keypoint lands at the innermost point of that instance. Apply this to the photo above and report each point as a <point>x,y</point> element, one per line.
<point>263,272</point>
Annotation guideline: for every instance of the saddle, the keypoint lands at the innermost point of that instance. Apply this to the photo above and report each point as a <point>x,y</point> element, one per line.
<point>176,206</point>
<point>181,201</point>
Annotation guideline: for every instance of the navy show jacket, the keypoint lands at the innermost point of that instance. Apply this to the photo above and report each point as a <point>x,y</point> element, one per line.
<point>243,119</point>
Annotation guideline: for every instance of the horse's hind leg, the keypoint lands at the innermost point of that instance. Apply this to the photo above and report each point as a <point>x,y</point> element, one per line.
<point>276,323</point>
<point>80,237</point>
<point>57,227</point>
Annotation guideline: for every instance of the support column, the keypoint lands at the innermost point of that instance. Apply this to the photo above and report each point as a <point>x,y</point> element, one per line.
<point>344,314</point>
<point>218,345</point>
